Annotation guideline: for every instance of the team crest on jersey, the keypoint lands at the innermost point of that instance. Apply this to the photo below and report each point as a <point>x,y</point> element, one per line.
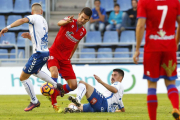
<point>93,101</point>
<point>72,26</point>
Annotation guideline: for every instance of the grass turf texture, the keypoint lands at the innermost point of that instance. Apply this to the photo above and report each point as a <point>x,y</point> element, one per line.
<point>12,108</point>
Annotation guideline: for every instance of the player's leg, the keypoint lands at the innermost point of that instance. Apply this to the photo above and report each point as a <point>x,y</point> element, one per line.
<point>24,78</point>
<point>82,89</point>
<point>68,74</point>
<point>152,100</point>
<point>151,73</point>
<point>53,66</point>
<point>169,66</point>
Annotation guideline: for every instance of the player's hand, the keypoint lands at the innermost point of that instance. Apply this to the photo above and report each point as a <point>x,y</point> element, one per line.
<point>26,35</point>
<point>70,19</point>
<point>97,78</point>
<point>3,31</point>
<point>136,57</point>
<point>131,16</point>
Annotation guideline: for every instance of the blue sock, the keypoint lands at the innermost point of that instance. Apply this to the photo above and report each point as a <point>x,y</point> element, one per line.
<point>66,88</point>
<point>55,79</point>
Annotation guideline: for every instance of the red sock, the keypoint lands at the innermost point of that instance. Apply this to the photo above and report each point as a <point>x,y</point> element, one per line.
<point>54,96</point>
<point>173,95</point>
<point>152,106</point>
<point>66,88</point>
<point>152,103</point>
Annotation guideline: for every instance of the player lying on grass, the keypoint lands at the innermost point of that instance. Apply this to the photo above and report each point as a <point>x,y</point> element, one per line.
<point>38,29</point>
<point>109,101</point>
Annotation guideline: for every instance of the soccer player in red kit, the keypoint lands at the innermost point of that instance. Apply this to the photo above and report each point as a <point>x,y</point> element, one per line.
<point>159,50</point>
<point>63,48</point>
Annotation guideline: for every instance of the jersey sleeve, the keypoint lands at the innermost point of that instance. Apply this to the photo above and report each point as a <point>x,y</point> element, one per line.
<point>31,19</point>
<point>121,105</point>
<point>116,85</point>
<point>178,8</point>
<point>141,10</point>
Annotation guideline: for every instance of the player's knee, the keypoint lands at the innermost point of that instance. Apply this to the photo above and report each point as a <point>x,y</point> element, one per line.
<point>73,86</point>
<point>83,82</point>
<point>54,74</point>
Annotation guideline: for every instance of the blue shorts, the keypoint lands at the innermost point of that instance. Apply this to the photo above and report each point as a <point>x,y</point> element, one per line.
<point>36,62</point>
<point>97,103</point>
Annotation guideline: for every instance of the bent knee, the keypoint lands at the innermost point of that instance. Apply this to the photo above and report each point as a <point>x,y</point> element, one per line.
<point>73,86</point>
<point>54,73</point>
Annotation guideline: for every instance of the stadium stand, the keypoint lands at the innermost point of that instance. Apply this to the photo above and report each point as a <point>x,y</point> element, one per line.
<point>121,53</point>
<point>4,51</point>
<point>21,6</point>
<point>93,37</point>
<point>124,4</point>
<point>21,54</point>
<point>8,38</point>
<point>110,37</point>
<point>11,19</point>
<point>2,23</point>
<point>6,6</point>
<point>105,53</point>
<point>127,37</point>
<point>108,5</point>
<point>85,56</point>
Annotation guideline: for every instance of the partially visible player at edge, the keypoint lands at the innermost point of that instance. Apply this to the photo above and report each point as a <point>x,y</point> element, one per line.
<point>38,34</point>
<point>160,48</point>
<point>63,48</point>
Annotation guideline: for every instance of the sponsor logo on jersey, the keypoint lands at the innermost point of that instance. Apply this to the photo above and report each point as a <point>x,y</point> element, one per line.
<point>32,65</point>
<point>70,37</point>
<point>93,101</point>
<point>161,36</point>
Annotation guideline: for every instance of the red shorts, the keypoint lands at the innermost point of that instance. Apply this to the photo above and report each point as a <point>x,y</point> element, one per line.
<point>160,65</point>
<point>64,67</point>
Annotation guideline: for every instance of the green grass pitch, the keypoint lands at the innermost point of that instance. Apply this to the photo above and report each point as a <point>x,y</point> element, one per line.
<point>12,108</point>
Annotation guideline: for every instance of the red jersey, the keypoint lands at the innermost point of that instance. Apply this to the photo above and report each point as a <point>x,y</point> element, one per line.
<point>160,23</point>
<point>68,36</point>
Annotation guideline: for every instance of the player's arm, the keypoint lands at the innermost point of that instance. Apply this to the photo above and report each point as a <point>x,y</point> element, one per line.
<point>75,47</point>
<point>109,87</point>
<point>120,110</point>
<point>178,31</point>
<point>14,24</point>
<point>139,35</point>
<point>26,35</point>
<point>65,21</point>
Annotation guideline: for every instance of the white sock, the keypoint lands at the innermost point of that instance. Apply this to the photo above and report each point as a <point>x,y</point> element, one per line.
<point>30,90</point>
<point>42,75</point>
<point>81,91</point>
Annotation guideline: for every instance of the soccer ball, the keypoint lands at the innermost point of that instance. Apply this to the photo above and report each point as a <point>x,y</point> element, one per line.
<point>47,89</point>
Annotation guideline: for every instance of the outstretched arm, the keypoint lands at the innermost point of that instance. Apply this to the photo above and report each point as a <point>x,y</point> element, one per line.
<point>65,21</point>
<point>109,87</point>
<point>14,24</point>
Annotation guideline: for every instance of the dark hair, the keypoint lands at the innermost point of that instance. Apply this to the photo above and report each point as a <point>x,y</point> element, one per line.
<point>97,0</point>
<point>116,5</point>
<point>86,11</point>
<point>134,0</point>
<point>121,72</point>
